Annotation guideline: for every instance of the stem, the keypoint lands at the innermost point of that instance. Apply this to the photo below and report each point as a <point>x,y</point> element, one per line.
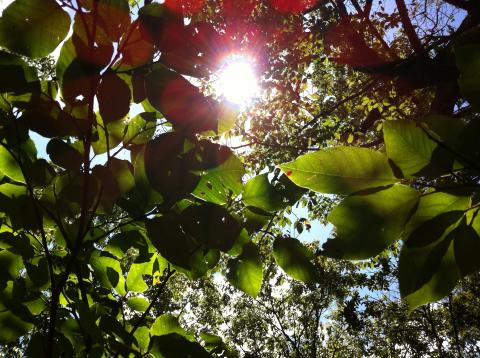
<point>408,27</point>
<point>365,15</point>
<point>154,299</point>
<point>454,325</point>
<point>37,214</point>
<point>363,89</point>
<point>86,169</point>
<point>446,147</point>
<point>438,340</point>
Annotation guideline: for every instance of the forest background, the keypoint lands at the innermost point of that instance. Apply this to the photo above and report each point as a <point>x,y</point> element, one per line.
<point>144,215</point>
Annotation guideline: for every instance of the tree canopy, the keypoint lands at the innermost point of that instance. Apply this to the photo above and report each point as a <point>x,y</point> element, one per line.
<point>130,188</point>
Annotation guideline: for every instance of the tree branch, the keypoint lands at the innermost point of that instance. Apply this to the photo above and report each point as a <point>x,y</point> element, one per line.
<point>454,325</point>
<point>154,300</point>
<point>408,27</point>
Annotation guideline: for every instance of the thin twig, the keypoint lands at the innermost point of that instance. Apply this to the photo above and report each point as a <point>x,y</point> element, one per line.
<point>170,273</point>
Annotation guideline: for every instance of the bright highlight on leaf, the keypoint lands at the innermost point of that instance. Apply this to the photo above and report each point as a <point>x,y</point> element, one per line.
<point>237,80</point>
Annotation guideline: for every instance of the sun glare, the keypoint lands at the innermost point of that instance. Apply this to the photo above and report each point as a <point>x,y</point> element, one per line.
<point>237,81</point>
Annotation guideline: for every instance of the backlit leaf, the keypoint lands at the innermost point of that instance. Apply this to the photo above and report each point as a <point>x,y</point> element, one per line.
<point>9,165</point>
<point>180,102</point>
<point>366,224</point>
<point>468,62</point>
<point>167,170</point>
<point>33,28</point>
<point>427,266</point>
<point>174,345</point>
<point>434,203</point>
<point>217,184</point>
<point>140,129</point>
<point>413,151</point>
<point>167,324</point>
<point>294,258</point>
<point>467,249</point>
<point>108,272</point>
<point>12,327</point>
<point>340,170</point>
<point>245,272</point>
<point>64,154</point>
<point>113,98</point>
<point>138,303</point>
<point>16,75</point>
<point>184,251</point>
<point>260,193</point>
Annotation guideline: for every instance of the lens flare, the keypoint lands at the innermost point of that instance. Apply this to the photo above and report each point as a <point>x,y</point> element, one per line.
<point>237,81</point>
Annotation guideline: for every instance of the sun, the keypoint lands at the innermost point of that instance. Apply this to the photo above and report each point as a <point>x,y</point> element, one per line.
<point>237,81</point>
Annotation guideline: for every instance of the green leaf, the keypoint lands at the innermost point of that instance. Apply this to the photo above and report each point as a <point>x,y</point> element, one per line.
<point>127,238</point>
<point>245,272</point>
<point>210,225</point>
<point>467,249</point>
<point>46,117</point>
<point>260,193</point>
<point>110,192</point>
<point>468,145</point>
<point>166,167</point>
<point>64,154</point>
<point>413,151</point>
<point>138,303</point>
<point>12,327</point>
<point>20,244</point>
<point>294,258</point>
<point>113,98</point>
<point>434,203</point>
<point>141,198</point>
<point>108,271</point>
<point>255,218</point>
<point>176,346</point>
<point>15,201</point>
<point>167,324</point>
<point>9,166</point>
<point>113,327</point>
<point>142,335</point>
<point>240,242</point>
<point>427,266</point>
<point>10,265</point>
<point>367,224</point>
<point>214,344</point>
<point>35,346</point>
<point>140,129</point>
<point>179,248</point>
<point>122,171</point>
<point>340,170</point>
<point>87,322</point>
<point>135,280</point>
<point>16,75</point>
<point>40,173</point>
<point>468,62</point>
<point>445,129</point>
<point>38,273</point>
<point>33,28</point>
<point>180,102</point>
<point>218,184</point>
<point>109,138</point>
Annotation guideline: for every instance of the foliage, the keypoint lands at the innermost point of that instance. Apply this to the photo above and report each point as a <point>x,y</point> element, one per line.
<point>88,246</point>
<point>138,189</point>
<point>351,312</point>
